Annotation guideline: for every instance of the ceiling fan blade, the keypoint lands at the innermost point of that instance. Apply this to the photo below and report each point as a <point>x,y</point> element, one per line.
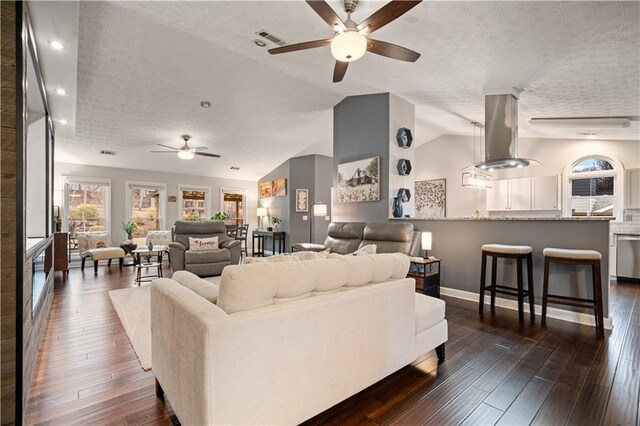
<point>163,152</point>
<point>391,50</point>
<point>206,154</point>
<point>300,46</point>
<point>339,70</point>
<point>200,148</point>
<point>387,13</point>
<point>167,146</point>
<point>327,14</point>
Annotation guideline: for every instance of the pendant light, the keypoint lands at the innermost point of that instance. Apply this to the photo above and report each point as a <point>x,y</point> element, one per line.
<point>473,178</point>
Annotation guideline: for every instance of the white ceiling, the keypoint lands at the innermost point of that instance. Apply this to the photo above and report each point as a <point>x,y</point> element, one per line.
<point>143,68</point>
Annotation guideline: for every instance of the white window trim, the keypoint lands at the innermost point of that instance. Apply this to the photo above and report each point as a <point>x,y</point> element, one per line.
<point>240,191</point>
<point>618,174</point>
<point>162,197</point>
<point>66,180</point>
<point>207,198</point>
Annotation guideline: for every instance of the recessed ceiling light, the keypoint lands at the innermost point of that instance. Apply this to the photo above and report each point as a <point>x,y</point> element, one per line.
<point>61,92</point>
<point>63,121</point>
<point>259,43</point>
<point>56,45</point>
<point>205,104</point>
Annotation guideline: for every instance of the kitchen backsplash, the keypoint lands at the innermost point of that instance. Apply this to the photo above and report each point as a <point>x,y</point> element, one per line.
<point>631,222</point>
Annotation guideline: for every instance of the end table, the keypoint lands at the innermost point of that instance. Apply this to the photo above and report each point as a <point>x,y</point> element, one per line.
<point>427,279</point>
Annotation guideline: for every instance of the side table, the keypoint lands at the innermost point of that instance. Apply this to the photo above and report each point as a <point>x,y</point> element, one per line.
<point>427,279</point>
<point>148,254</point>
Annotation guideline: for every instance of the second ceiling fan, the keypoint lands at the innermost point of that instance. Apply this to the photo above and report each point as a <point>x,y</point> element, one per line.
<point>352,40</point>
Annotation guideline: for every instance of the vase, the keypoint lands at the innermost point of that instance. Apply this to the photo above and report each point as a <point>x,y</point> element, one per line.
<point>150,247</point>
<point>397,207</point>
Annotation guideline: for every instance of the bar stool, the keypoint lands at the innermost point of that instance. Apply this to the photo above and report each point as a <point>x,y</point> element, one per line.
<point>520,254</point>
<point>575,257</point>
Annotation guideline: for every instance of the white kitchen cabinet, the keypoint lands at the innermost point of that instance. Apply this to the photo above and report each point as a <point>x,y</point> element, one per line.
<point>546,193</point>
<point>498,196</point>
<point>633,189</point>
<point>509,195</point>
<point>520,194</point>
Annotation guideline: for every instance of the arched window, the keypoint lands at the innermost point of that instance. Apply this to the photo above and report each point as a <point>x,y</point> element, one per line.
<point>594,189</point>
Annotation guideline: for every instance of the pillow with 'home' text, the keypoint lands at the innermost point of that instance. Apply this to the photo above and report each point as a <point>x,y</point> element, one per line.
<point>203,244</point>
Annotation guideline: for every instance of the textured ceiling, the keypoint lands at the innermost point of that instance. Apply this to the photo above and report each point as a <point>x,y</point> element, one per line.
<point>143,68</point>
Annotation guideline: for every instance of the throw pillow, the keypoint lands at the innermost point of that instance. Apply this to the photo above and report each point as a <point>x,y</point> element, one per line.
<point>98,241</point>
<point>366,250</point>
<point>203,244</point>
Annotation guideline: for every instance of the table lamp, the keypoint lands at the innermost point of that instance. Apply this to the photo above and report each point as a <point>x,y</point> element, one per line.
<point>317,210</point>
<point>262,212</point>
<point>426,243</point>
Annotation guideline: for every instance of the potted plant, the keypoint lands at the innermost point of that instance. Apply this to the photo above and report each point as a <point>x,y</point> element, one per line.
<point>129,227</point>
<point>276,221</point>
<point>220,216</point>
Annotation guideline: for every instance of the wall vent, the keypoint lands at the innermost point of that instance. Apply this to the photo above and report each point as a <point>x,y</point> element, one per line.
<point>235,168</point>
<point>272,38</point>
<point>107,152</point>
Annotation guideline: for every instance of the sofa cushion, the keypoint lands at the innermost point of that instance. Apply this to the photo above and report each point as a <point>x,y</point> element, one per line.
<point>344,237</point>
<point>105,253</point>
<point>251,286</point>
<point>201,287</point>
<point>389,237</point>
<point>183,229</point>
<point>203,244</point>
<point>429,311</point>
<point>366,250</point>
<point>191,257</point>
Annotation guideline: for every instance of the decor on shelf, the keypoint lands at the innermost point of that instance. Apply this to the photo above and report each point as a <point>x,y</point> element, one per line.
<point>404,194</point>
<point>397,207</point>
<point>427,240</point>
<point>276,221</point>
<point>129,228</point>
<point>280,187</point>
<point>404,167</point>
<point>359,180</point>
<point>302,200</point>
<point>471,177</point>
<point>404,138</point>
<point>431,199</point>
<point>220,216</point>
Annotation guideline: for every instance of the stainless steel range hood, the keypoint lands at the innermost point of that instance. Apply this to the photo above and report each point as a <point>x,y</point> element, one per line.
<point>501,134</point>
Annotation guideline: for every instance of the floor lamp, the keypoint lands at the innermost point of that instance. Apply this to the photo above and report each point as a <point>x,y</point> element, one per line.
<point>318,209</point>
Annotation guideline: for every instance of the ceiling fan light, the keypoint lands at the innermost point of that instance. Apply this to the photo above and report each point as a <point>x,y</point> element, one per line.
<point>348,46</point>
<point>186,155</point>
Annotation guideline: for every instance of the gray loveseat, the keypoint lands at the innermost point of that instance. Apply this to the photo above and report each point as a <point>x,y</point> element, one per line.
<point>203,264</point>
<point>347,237</point>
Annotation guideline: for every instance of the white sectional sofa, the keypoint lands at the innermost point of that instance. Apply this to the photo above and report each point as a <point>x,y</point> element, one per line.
<point>286,341</point>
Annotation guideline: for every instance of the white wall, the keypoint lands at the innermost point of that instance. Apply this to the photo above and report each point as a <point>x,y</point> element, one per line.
<point>119,177</point>
<point>446,156</point>
<point>36,178</point>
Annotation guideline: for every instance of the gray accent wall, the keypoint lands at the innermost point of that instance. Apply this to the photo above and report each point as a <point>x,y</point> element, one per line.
<point>361,130</point>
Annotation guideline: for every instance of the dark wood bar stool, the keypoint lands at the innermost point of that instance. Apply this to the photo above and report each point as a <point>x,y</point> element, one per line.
<point>575,257</point>
<point>520,254</point>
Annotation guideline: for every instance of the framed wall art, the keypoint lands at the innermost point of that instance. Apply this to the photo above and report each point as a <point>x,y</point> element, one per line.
<point>302,200</point>
<point>359,181</point>
<point>431,199</point>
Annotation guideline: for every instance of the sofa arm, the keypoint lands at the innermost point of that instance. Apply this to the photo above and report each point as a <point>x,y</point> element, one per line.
<point>235,248</point>
<point>176,254</point>
<point>307,247</point>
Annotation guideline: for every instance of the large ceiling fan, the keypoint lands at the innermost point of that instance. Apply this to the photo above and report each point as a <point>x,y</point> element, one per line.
<point>185,151</point>
<point>352,40</point>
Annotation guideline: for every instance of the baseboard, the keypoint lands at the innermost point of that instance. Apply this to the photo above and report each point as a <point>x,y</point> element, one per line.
<point>556,313</point>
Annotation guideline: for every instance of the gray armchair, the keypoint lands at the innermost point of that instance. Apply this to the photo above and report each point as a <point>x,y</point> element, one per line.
<point>203,264</point>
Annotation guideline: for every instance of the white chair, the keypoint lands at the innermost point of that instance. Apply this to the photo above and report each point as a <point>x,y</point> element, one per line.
<point>97,246</point>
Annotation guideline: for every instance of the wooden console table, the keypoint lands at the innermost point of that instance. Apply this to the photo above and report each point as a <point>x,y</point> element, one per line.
<point>259,236</point>
<point>61,253</point>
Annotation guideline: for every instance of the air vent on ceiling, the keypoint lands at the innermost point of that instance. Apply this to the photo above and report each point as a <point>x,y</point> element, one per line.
<point>272,38</point>
<point>106,152</point>
<point>235,168</point>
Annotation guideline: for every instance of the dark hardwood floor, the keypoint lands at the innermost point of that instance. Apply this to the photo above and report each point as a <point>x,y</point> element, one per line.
<point>496,372</point>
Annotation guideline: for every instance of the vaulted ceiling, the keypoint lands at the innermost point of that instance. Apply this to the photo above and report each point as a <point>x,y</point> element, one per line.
<point>143,68</point>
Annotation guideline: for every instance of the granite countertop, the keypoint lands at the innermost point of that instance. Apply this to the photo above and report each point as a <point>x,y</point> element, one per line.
<point>521,218</point>
<point>635,233</point>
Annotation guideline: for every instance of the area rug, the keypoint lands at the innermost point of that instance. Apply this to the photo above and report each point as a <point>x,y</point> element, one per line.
<point>133,306</point>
